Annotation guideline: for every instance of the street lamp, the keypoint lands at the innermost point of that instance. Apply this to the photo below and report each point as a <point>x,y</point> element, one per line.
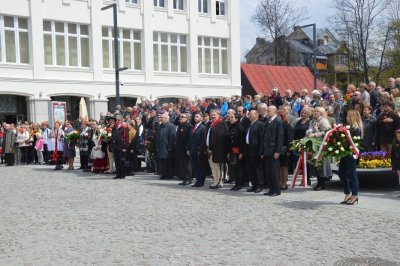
<point>315,50</point>
<point>116,51</point>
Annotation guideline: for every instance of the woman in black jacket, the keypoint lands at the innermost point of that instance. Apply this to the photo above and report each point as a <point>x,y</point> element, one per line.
<point>284,157</point>
<point>236,150</point>
<point>368,141</point>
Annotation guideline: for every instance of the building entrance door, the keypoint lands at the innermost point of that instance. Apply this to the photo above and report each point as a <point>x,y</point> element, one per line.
<point>13,109</point>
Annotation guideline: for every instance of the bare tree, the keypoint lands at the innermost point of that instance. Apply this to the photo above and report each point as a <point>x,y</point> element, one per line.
<point>357,20</point>
<point>276,18</point>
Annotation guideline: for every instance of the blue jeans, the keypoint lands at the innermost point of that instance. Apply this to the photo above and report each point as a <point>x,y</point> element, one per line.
<point>348,175</point>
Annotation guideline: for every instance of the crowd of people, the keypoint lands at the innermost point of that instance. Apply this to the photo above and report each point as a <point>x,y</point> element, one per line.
<point>244,140</point>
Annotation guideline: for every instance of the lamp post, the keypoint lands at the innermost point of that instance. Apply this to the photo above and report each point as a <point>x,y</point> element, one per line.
<point>116,51</point>
<point>315,50</point>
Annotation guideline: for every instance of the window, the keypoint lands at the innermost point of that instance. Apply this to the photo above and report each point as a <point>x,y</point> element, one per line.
<point>131,1</point>
<point>169,52</point>
<point>178,4</point>
<point>14,40</point>
<point>213,55</point>
<point>203,6</point>
<point>159,3</point>
<point>66,44</point>
<point>130,48</point>
<point>220,7</point>
<point>341,60</point>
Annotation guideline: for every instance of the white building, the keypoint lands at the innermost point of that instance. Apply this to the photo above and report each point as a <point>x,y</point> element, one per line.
<point>62,50</point>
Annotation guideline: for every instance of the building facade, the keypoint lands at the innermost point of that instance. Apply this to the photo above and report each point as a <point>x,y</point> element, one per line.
<point>297,49</point>
<point>62,50</point>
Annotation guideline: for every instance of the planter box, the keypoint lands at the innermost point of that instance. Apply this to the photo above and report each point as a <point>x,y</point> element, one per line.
<point>377,178</point>
<point>380,177</point>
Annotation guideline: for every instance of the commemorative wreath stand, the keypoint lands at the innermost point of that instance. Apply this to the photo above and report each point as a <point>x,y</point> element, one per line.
<point>337,143</point>
<point>301,165</point>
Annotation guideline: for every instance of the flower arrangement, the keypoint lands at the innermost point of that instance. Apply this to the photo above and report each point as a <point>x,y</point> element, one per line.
<point>311,146</point>
<point>376,159</point>
<point>73,136</point>
<point>339,143</point>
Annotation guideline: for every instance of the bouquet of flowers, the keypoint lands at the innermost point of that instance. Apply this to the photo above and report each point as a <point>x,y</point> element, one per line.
<point>309,145</point>
<point>375,159</point>
<point>73,136</point>
<point>339,143</point>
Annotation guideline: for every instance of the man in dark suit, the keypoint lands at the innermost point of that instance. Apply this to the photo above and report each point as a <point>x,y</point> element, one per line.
<point>119,144</point>
<point>182,159</point>
<point>271,149</point>
<point>198,170</point>
<point>263,110</point>
<point>254,140</point>
<point>244,120</point>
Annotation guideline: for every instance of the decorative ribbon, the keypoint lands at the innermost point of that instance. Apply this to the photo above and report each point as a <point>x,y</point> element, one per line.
<point>301,165</point>
<point>341,129</point>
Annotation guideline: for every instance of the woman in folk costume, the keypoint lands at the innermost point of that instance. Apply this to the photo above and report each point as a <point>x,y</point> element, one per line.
<point>57,137</point>
<point>69,146</point>
<point>99,151</point>
<point>132,147</point>
<point>110,119</point>
<point>318,126</point>
<point>84,144</point>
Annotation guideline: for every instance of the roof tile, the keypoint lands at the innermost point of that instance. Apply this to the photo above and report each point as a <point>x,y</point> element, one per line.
<point>263,78</point>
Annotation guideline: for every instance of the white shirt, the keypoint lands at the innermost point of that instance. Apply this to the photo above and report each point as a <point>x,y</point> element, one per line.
<point>208,137</point>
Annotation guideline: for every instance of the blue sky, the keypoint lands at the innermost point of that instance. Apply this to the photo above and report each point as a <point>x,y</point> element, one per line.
<point>319,10</point>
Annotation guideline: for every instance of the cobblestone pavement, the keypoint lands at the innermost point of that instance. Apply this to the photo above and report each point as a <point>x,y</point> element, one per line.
<point>64,217</point>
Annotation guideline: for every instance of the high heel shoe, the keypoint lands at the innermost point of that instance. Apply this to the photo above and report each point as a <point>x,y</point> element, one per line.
<point>345,201</point>
<point>352,202</point>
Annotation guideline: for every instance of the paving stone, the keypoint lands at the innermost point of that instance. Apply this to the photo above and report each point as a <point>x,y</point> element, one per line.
<point>68,217</point>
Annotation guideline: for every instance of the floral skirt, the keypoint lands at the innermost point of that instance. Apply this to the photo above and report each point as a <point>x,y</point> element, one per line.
<point>100,165</point>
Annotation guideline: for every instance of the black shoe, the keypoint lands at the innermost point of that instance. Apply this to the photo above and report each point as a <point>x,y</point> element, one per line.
<point>237,188</point>
<point>195,185</point>
<point>216,186</point>
<point>252,189</point>
<point>285,188</point>
<point>345,201</point>
<point>318,188</point>
<point>185,183</point>
<point>9,164</point>
<point>80,168</point>
<point>269,193</point>
<point>163,177</point>
<point>116,177</point>
<point>258,190</point>
<point>274,194</point>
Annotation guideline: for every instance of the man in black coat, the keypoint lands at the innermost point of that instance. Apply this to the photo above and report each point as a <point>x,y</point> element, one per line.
<point>254,140</point>
<point>195,143</point>
<point>165,146</point>
<point>271,149</point>
<point>119,145</point>
<point>182,159</point>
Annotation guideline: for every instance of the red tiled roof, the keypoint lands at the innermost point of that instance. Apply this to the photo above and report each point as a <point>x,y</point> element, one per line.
<point>263,78</point>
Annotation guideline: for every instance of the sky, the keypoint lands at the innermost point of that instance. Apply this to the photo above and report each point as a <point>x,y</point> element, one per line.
<point>319,10</point>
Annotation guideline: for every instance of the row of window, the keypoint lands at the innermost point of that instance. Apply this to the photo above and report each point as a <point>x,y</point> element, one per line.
<point>68,44</point>
<point>203,5</point>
